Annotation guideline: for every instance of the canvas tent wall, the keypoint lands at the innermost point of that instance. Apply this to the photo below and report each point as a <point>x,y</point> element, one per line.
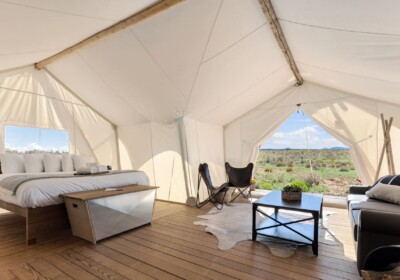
<point>32,98</point>
<point>203,81</point>
<point>352,119</point>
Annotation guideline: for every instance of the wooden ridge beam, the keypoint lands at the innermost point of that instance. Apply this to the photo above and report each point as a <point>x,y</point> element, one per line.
<point>123,24</point>
<point>269,12</point>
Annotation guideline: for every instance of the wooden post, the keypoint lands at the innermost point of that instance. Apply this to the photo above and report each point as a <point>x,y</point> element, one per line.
<point>389,153</point>
<point>387,147</point>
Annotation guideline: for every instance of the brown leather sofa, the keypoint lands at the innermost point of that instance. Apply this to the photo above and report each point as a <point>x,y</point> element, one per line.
<point>374,222</point>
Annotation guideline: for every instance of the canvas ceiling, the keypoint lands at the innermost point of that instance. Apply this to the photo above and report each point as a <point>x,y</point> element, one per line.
<point>176,83</point>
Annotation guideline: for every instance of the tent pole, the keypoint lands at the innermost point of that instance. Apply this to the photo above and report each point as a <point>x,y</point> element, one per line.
<point>269,12</point>
<point>117,146</point>
<point>387,147</point>
<point>389,150</point>
<point>138,17</point>
<point>385,132</point>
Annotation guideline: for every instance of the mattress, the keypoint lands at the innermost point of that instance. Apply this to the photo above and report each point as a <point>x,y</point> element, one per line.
<point>45,192</point>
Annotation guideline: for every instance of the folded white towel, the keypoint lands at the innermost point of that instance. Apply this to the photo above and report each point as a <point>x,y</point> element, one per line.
<point>87,170</point>
<point>102,168</point>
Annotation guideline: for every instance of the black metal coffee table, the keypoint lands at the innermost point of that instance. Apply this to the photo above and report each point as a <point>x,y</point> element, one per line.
<point>279,227</point>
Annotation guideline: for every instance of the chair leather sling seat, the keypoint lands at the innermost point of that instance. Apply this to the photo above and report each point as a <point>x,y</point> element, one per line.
<point>214,193</point>
<point>240,179</point>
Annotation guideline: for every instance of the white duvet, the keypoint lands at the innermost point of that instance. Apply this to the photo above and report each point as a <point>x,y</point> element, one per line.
<point>45,192</point>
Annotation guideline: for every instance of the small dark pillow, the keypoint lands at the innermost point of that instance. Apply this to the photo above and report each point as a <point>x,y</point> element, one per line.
<point>385,179</point>
<point>395,180</point>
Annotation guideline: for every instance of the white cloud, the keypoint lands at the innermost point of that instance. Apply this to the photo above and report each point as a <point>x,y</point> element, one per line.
<point>35,146</point>
<point>279,135</point>
<point>317,139</point>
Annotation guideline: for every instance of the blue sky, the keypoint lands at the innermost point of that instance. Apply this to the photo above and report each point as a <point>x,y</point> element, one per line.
<point>29,138</point>
<point>292,134</point>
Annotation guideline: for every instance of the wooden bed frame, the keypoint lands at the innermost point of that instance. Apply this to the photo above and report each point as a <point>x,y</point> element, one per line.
<point>40,222</point>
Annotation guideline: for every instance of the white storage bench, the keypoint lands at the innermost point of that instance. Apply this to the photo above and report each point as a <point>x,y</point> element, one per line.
<point>98,214</point>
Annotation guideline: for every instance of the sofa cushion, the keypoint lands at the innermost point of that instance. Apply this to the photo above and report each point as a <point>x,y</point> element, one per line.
<point>359,202</point>
<point>387,192</point>
<point>354,212</point>
<point>354,222</point>
<point>373,204</point>
<point>356,197</point>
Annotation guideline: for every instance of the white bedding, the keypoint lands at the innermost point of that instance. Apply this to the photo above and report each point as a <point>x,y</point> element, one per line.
<point>45,192</point>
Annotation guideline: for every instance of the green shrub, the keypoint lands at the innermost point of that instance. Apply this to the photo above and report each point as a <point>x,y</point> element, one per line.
<point>302,185</point>
<point>344,169</point>
<point>321,189</point>
<point>312,179</point>
<point>291,188</point>
<point>280,163</point>
<point>265,186</point>
<point>328,178</point>
<point>268,169</point>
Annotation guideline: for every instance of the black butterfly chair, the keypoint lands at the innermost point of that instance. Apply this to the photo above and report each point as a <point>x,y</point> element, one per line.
<point>240,179</point>
<point>217,201</point>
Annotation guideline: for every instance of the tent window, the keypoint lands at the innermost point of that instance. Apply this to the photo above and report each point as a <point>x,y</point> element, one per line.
<point>301,153</point>
<point>19,139</point>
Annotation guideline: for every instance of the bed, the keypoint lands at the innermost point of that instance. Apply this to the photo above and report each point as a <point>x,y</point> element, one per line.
<point>39,199</point>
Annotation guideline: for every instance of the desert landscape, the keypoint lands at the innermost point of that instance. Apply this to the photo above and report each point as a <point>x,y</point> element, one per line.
<point>332,170</point>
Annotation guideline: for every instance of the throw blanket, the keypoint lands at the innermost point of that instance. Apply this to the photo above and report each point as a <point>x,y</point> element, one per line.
<point>12,183</point>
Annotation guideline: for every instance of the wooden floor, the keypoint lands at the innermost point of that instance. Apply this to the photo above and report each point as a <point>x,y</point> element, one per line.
<point>170,248</point>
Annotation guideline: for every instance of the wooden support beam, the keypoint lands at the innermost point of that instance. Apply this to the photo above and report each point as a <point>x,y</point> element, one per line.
<point>269,12</point>
<point>389,151</point>
<point>387,147</point>
<point>144,14</point>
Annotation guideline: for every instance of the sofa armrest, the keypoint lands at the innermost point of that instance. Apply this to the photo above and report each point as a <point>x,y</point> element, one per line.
<point>379,222</point>
<point>375,229</point>
<point>358,189</point>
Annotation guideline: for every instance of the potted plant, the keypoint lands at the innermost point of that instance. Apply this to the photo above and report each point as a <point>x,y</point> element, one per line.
<point>291,193</point>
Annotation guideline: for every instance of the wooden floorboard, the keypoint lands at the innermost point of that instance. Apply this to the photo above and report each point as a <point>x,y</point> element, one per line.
<point>172,247</point>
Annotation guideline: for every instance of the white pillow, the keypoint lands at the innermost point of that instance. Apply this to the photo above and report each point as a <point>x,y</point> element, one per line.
<point>67,163</point>
<point>52,163</point>
<point>12,163</point>
<point>81,161</point>
<point>390,193</point>
<point>33,163</point>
